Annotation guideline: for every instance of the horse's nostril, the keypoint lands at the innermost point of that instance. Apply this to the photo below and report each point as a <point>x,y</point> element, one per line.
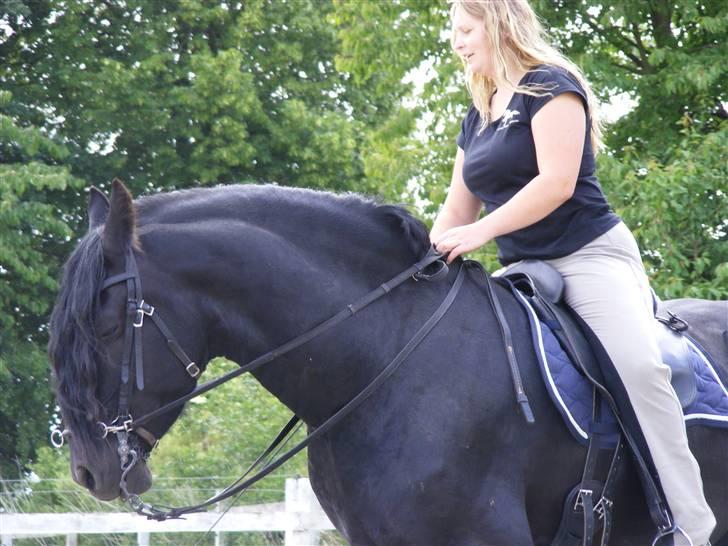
<point>85,478</point>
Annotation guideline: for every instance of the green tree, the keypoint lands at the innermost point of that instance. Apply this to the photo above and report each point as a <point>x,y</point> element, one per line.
<point>32,234</point>
<point>171,94</point>
<point>668,56</point>
<point>677,209</point>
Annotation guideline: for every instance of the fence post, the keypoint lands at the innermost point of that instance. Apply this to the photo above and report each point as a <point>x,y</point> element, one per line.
<point>142,539</point>
<point>7,540</point>
<point>300,501</point>
<point>219,536</point>
<point>72,540</point>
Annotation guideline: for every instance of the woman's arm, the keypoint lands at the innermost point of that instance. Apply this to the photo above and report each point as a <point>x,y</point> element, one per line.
<point>461,207</point>
<point>559,129</point>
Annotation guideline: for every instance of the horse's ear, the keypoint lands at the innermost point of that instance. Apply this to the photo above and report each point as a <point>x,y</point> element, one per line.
<point>120,223</point>
<point>98,208</point>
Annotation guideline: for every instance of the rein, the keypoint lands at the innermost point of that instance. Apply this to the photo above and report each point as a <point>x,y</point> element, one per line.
<point>158,514</point>
<point>124,424</point>
<point>415,271</point>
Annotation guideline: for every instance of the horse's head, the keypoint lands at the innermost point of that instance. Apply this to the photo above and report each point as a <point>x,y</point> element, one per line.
<point>111,360</point>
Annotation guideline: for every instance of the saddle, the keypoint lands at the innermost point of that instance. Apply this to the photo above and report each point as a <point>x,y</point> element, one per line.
<point>540,281</point>
<point>612,425</point>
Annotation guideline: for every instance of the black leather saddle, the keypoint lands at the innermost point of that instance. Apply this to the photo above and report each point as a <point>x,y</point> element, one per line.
<point>534,277</point>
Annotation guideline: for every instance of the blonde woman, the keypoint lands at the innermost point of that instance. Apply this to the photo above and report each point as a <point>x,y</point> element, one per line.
<point>526,150</point>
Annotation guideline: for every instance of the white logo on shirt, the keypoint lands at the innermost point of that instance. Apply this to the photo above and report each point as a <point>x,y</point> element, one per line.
<point>509,118</point>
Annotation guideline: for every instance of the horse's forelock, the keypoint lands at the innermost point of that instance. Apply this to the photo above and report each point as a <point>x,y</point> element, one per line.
<point>73,348</point>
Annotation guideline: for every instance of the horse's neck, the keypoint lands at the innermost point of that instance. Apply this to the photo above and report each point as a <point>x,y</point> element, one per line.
<point>269,285</point>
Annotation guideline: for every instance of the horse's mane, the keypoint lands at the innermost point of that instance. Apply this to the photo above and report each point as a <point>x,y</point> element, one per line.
<point>358,209</point>
<point>73,348</point>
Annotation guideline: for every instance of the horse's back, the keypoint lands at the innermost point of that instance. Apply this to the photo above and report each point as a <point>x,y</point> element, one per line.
<point>707,324</point>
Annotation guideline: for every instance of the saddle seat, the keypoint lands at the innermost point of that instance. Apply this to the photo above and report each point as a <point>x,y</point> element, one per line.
<point>548,283</point>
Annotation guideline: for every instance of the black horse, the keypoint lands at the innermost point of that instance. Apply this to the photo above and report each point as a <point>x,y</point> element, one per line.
<point>438,455</point>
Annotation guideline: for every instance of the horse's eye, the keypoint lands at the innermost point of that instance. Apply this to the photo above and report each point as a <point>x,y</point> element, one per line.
<point>110,333</point>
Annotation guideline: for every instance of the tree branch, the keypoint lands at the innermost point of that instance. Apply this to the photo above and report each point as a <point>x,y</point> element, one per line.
<point>628,68</point>
<point>619,40</point>
<point>661,17</point>
<point>644,54</point>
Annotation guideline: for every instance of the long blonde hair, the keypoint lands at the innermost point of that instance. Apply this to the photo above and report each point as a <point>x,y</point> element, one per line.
<point>514,30</point>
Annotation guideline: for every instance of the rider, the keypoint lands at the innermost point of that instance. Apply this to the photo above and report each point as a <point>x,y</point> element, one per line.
<point>526,150</point>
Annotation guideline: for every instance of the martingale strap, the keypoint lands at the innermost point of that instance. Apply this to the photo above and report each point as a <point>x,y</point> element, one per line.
<point>155,513</point>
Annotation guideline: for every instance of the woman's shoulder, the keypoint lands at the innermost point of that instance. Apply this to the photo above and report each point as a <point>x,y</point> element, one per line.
<point>468,126</point>
<point>471,117</point>
<point>549,74</point>
<point>548,81</point>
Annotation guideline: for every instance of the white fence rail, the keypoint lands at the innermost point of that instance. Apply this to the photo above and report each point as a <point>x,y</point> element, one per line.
<point>300,517</point>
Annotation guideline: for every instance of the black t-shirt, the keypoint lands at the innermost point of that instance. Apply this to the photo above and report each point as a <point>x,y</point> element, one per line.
<point>501,160</point>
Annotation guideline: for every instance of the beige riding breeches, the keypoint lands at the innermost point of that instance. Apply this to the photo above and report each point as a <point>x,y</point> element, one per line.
<point>606,284</point>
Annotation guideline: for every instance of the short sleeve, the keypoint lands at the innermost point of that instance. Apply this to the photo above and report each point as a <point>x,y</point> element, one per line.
<point>555,81</point>
<point>465,128</point>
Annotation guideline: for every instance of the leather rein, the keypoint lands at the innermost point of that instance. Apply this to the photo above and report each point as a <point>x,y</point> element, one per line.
<point>124,425</point>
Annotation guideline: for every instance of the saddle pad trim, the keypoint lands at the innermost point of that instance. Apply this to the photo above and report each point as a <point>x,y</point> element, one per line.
<point>578,426</point>
<point>553,391</point>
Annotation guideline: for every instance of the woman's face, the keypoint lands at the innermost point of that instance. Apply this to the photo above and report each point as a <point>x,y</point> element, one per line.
<point>469,41</point>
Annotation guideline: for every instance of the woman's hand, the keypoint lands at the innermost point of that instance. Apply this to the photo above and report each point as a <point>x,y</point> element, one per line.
<point>462,239</point>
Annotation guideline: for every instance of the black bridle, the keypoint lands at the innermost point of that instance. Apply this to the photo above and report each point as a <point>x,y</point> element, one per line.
<point>133,358</point>
<point>124,426</point>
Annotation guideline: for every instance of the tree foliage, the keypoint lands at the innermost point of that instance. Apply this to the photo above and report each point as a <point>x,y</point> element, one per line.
<point>171,94</point>
<point>32,234</point>
<point>668,56</point>
<point>677,209</point>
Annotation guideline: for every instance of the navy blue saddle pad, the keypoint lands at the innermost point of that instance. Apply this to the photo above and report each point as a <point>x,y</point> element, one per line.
<point>571,392</point>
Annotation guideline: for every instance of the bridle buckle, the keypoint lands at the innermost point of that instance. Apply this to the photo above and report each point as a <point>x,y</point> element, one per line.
<point>583,493</point>
<point>192,369</point>
<point>602,507</point>
<point>143,308</point>
<point>125,426</point>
